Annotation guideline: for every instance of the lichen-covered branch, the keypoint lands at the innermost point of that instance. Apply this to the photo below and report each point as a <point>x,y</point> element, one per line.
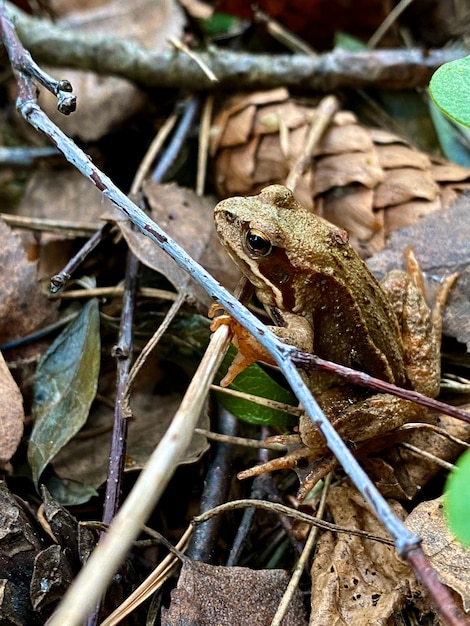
<point>392,69</point>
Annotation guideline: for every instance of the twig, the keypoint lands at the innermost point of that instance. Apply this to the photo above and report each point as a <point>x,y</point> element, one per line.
<point>38,334</point>
<point>25,157</point>
<point>286,510</point>
<point>179,45</point>
<point>216,488</point>
<point>190,109</point>
<point>123,353</point>
<point>150,585</point>
<point>388,21</point>
<point>323,114</point>
<point>204,140</point>
<point>44,224</point>
<point>94,577</point>
<point>310,361</point>
<point>258,492</point>
<point>393,69</point>
<point>59,280</point>
<point>302,562</point>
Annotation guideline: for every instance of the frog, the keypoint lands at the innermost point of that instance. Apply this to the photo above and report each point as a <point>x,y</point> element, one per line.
<point>323,299</point>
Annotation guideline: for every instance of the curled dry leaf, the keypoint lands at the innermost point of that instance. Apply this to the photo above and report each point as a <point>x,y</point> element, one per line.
<point>365,180</point>
<point>187,218</point>
<point>58,194</point>
<point>355,580</point>
<point>400,472</point>
<point>23,306</point>
<point>448,557</point>
<point>11,414</point>
<point>105,103</point>
<point>19,544</point>
<point>207,595</point>
<point>440,242</point>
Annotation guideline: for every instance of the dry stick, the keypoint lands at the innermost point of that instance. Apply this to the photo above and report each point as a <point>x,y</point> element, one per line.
<point>388,21</point>
<point>310,362</point>
<point>150,585</point>
<point>105,559</point>
<point>302,562</point>
<point>190,110</point>
<point>44,224</point>
<point>282,509</point>
<point>396,69</point>
<point>123,350</point>
<point>258,492</point>
<point>204,140</point>
<point>59,280</point>
<point>217,481</point>
<point>323,114</point>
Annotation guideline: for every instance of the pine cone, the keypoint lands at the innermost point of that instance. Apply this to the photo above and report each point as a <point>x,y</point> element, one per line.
<point>368,181</point>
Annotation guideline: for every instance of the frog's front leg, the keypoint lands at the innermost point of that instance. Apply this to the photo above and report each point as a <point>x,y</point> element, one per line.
<point>421,327</point>
<point>293,329</point>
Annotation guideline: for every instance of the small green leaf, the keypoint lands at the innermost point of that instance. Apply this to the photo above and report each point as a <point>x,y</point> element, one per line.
<point>64,388</point>
<point>256,381</point>
<point>457,499</point>
<point>349,43</point>
<point>69,492</point>
<point>450,89</point>
<point>453,138</point>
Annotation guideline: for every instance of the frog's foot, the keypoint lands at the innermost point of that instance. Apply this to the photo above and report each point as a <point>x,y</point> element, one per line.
<point>321,468</point>
<point>249,349</point>
<point>299,459</point>
<point>299,455</point>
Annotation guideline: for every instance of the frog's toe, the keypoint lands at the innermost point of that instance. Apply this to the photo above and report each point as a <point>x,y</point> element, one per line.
<point>300,456</point>
<point>309,477</point>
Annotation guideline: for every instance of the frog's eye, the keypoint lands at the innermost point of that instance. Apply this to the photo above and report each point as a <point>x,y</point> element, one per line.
<point>257,242</point>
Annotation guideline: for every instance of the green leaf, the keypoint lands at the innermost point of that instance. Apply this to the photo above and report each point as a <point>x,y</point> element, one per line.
<point>457,499</point>
<point>349,43</point>
<point>64,388</point>
<point>450,89</point>
<point>69,492</point>
<point>453,138</point>
<point>256,381</point>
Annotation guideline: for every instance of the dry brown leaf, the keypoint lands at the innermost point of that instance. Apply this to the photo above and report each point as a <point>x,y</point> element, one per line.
<point>62,194</point>
<point>402,473</point>
<point>86,457</point>
<point>448,557</point>
<point>187,218</point>
<point>104,103</point>
<point>440,241</point>
<point>23,306</point>
<point>209,595</point>
<point>357,581</point>
<point>11,414</point>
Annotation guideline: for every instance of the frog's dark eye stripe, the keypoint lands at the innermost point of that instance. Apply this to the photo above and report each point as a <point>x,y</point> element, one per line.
<point>257,242</point>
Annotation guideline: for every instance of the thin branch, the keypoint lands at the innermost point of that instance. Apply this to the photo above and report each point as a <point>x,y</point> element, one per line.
<point>275,507</point>
<point>310,362</point>
<point>59,280</point>
<point>393,69</point>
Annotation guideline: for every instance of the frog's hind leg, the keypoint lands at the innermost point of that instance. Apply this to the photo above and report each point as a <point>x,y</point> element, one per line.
<point>420,325</point>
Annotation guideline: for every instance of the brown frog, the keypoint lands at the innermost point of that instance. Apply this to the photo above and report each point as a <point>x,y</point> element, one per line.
<point>323,299</point>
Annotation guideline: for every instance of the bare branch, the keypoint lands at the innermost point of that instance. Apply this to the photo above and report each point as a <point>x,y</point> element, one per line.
<point>392,69</point>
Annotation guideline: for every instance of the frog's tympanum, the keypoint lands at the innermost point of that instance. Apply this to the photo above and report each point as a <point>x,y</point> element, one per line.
<point>323,299</point>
